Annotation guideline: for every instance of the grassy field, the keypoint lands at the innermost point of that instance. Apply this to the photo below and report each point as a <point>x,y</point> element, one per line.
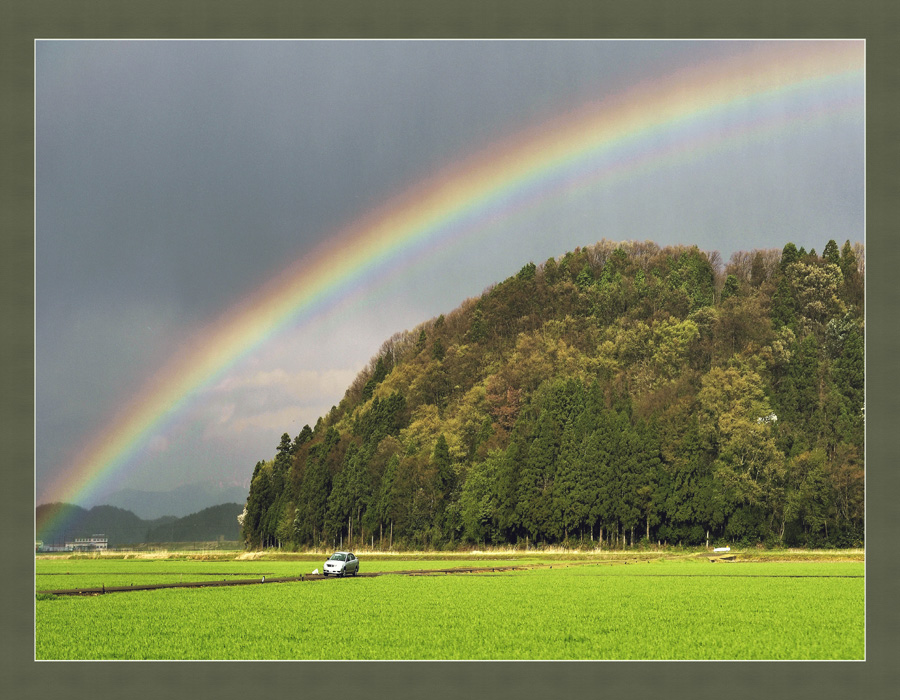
<point>585,607</point>
<point>94,573</point>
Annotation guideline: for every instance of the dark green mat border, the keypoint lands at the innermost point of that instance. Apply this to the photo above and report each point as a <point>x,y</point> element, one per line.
<point>21,21</point>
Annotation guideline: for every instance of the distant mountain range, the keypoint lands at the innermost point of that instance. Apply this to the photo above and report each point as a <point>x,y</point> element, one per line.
<point>178,502</point>
<point>123,528</point>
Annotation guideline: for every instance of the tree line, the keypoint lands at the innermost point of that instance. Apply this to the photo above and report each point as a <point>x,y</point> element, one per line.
<point>621,393</point>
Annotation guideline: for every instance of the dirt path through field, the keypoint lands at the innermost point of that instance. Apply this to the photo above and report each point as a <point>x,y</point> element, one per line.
<point>307,577</point>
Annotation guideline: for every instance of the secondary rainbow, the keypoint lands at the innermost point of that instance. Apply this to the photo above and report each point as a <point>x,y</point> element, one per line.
<point>456,201</point>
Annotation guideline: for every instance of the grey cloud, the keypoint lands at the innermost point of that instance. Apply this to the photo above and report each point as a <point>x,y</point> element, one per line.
<point>174,178</point>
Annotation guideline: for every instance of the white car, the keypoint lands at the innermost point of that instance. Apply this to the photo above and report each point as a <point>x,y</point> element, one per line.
<point>341,564</point>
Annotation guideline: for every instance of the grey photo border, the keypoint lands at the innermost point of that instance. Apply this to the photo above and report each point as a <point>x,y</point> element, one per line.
<point>23,21</point>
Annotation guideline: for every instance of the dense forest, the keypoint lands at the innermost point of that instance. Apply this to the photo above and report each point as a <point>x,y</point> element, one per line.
<point>623,393</point>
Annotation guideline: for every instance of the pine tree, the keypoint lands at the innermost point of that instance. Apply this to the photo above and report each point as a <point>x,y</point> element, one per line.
<point>804,371</point>
<point>831,254</point>
<point>302,438</point>
<point>551,271</point>
<point>730,289</point>
<point>783,306</point>
<point>789,255</point>
<point>443,464</point>
<point>478,329</point>
<point>283,458</point>
<point>387,503</point>
<point>527,272</point>
<point>853,288</point>
<point>480,499</point>
<point>535,483</point>
<point>378,376</point>
<point>757,270</point>
<point>572,497</point>
<point>421,341</point>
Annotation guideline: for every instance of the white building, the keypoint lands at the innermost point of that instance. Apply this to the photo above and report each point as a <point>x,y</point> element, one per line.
<point>89,544</point>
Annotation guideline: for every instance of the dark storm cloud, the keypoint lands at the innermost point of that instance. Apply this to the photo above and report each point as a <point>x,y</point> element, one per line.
<point>154,153</point>
<point>173,178</point>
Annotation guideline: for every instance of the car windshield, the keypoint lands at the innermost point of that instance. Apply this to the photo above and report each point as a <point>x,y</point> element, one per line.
<point>337,557</point>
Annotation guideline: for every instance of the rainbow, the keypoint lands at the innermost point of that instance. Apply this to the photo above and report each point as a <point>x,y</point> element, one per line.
<point>599,143</point>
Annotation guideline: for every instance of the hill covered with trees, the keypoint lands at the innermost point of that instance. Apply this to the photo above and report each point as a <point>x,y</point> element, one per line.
<point>620,393</point>
<point>210,524</point>
<point>58,523</point>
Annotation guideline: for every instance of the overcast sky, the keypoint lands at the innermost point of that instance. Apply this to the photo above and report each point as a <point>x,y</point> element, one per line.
<point>174,178</point>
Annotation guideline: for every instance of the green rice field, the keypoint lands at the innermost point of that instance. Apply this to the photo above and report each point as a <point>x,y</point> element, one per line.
<point>581,608</point>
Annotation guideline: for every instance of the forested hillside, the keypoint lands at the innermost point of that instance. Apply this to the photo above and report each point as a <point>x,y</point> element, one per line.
<point>620,393</point>
<point>58,523</point>
<point>209,524</point>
